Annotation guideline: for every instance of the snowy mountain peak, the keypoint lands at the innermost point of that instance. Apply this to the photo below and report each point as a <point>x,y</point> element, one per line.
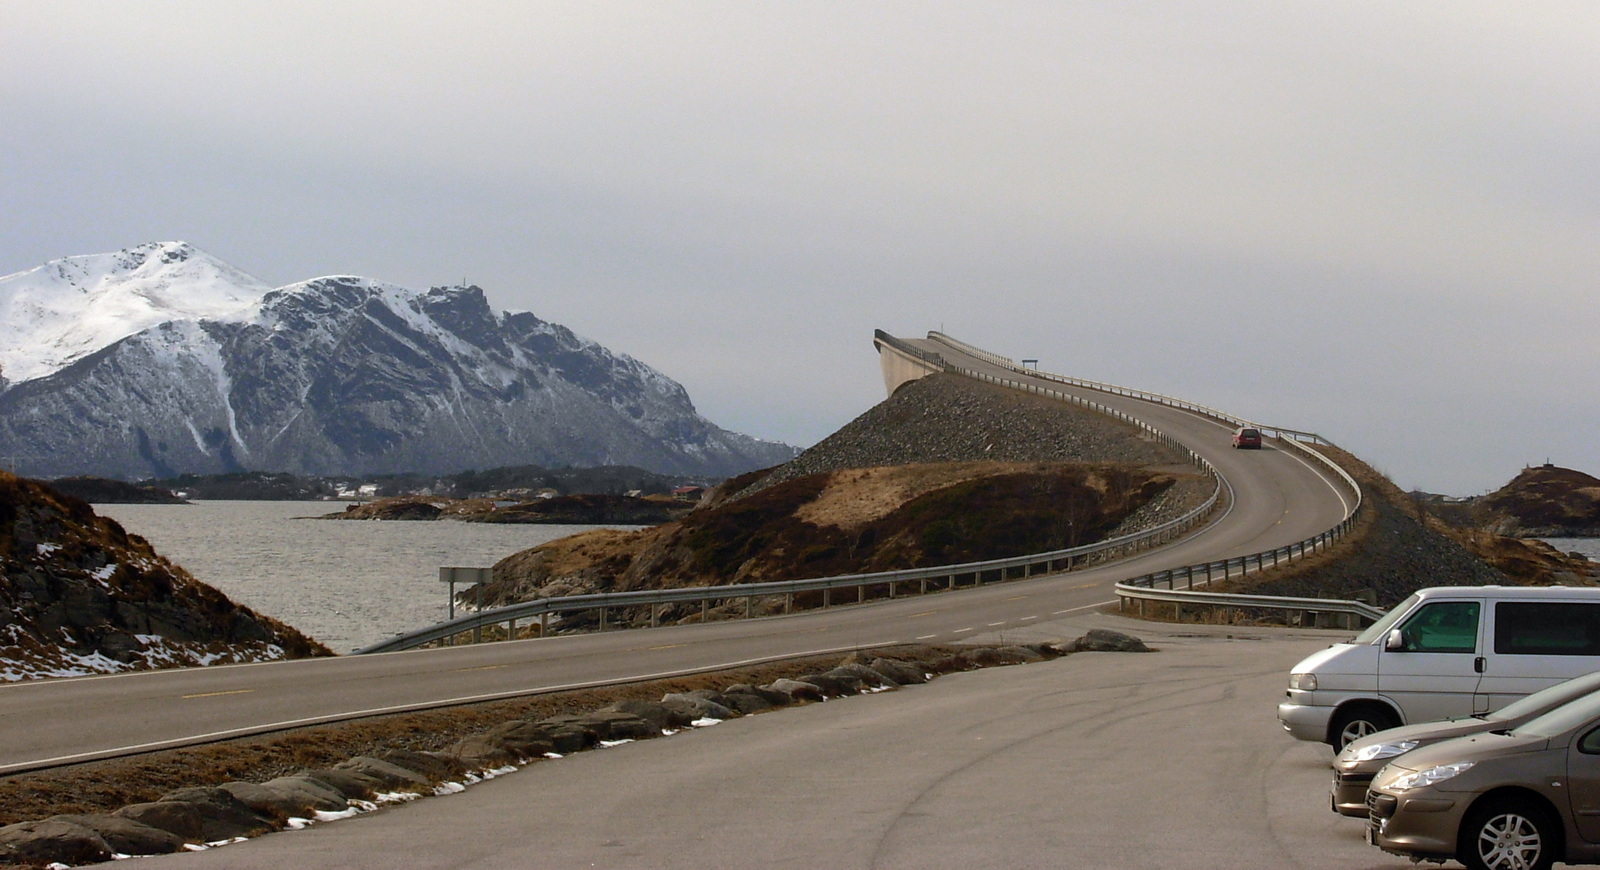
<point>58,313</point>
<point>160,360</point>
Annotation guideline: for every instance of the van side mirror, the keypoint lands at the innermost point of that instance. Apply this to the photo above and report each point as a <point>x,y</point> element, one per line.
<point>1394,641</point>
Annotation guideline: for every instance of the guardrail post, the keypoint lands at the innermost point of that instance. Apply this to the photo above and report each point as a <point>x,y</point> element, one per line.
<point>924,587</point>
<point>602,617</point>
<point>749,606</point>
<point>861,592</point>
<point>827,597</point>
<point>705,609</point>
<point>511,628</point>
<point>655,615</point>
<point>788,602</point>
<point>544,624</point>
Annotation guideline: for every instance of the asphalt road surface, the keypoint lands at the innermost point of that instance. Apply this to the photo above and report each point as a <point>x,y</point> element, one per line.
<point>1279,499</point>
<point>1098,760</point>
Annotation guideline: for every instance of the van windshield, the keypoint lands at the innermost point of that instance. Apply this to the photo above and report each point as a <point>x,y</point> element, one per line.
<point>1381,627</point>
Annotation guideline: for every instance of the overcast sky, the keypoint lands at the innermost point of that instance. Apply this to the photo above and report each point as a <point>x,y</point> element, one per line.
<point>1378,221</point>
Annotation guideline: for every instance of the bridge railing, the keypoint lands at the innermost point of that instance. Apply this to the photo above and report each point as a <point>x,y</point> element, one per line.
<point>1135,588</point>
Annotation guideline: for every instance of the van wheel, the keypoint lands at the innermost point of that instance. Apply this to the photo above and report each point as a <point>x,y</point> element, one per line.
<point>1354,723</point>
<point>1508,834</point>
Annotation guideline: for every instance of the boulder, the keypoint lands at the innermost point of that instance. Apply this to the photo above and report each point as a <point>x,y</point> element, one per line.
<point>437,767</point>
<point>318,795</point>
<point>126,836</point>
<point>179,819</point>
<point>746,703</point>
<point>393,776</point>
<point>567,735</point>
<point>352,784</point>
<point>1104,640</point>
<point>904,673</point>
<point>609,724</point>
<point>53,841</point>
<point>832,687</point>
<point>222,816</point>
<point>663,718</point>
<point>696,707</point>
<point>287,798</point>
<point>797,691</point>
<point>775,698</point>
<point>868,677</point>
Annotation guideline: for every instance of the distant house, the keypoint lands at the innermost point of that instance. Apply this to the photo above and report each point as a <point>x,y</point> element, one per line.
<point>688,493</point>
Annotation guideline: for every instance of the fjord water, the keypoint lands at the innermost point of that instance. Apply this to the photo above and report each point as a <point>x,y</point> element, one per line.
<point>348,584</point>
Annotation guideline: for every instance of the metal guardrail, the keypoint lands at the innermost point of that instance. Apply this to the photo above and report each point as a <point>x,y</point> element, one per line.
<point>1353,612</point>
<point>942,577</point>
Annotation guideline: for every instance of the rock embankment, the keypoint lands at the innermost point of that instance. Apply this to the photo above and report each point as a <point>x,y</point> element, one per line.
<point>1399,547</point>
<point>79,595</point>
<point>199,816</point>
<point>947,418</point>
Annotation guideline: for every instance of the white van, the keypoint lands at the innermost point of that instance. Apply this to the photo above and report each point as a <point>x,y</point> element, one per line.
<point>1446,651</point>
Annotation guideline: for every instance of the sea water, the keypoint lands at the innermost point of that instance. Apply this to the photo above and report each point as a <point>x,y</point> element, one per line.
<point>1587,546</point>
<point>347,583</point>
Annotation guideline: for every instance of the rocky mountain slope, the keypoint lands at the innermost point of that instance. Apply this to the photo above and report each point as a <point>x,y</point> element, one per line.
<point>79,595</point>
<point>337,375</point>
<point>946,470</point>
<point>1545,501</point>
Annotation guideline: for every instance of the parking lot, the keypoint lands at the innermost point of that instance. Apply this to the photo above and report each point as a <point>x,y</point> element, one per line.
<point>1166,760</point>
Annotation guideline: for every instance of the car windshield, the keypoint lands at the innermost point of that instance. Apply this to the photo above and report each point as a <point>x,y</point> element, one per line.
<point>1550,698</point>
<point>1563,718</point>
<point>1381,627</point>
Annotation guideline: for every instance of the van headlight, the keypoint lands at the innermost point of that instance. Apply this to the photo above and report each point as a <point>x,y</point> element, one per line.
<point>1375,751</point>
<point>1303,682</point>
<point>1431,776</point>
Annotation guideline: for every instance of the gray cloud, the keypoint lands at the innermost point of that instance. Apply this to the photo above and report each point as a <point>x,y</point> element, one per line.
<point>1374,220</point>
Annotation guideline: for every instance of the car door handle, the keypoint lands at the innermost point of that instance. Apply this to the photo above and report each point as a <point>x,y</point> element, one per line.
<point>1478,664</point>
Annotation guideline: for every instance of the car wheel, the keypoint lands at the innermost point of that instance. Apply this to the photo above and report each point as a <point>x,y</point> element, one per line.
<point>1508,835</point>
<point>1354,723</point>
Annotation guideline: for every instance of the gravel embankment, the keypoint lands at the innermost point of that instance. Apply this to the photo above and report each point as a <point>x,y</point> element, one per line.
<point>946,418</point>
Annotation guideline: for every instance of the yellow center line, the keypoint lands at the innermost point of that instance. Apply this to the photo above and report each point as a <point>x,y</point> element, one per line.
<point>668,646</point>
<point>923,613</point>
<point>1084,586</point>
<point>484,668</point>
<point>215,694</point>
<point>1016,598</point>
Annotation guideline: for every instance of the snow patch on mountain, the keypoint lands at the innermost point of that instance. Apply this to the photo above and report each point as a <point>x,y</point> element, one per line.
<point>65,310</point>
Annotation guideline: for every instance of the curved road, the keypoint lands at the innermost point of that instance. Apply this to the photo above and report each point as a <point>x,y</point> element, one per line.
<point>1279,499</point>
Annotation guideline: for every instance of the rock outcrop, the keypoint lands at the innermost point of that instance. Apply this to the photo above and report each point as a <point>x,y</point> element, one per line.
<point>79,595</point>
<point>1543,501</point>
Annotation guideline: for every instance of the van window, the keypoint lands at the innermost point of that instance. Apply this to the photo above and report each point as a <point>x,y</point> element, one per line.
<point>1442,627</point>
<point>1547,628</point>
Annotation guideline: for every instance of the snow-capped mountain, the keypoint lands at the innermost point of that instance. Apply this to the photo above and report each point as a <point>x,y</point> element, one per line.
<point>337,375</point>
<point>57,314</point>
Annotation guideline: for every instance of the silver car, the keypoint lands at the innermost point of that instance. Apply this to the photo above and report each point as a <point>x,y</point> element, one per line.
<point>1502,800</point>
<point>1359,761</point>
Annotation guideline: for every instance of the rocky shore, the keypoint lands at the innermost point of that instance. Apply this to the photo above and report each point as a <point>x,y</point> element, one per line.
<point>79,595</point>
